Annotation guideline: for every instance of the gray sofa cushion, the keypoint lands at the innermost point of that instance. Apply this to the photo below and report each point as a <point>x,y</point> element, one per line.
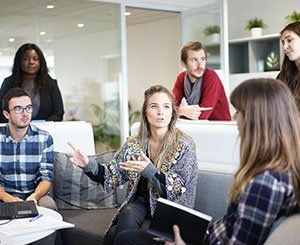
<point>90,226</point>
<point>287,232</point>
<point>212,187</point>
<point>74,190</point>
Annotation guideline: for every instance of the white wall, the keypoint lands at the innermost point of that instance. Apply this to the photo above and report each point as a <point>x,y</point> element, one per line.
<point>80,69</point>
<point>153,50</point>
<point>272,12</point>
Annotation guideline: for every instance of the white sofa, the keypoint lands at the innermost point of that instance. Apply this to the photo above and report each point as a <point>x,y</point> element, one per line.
<point>80,133</point>
<point>217,143</point>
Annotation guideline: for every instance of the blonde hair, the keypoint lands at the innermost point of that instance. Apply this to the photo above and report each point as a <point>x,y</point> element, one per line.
<point>269,131</point>
<point>144,130</point>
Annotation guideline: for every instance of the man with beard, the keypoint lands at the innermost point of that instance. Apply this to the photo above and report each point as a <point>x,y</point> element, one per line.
<point>200,86</point>
<point>26,154</point>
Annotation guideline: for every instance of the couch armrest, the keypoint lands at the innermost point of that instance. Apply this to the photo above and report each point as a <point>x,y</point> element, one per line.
<point>287,232</point>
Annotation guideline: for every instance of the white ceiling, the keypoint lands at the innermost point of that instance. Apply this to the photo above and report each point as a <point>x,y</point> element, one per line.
<point>174,5</point>
<point>24,19</point>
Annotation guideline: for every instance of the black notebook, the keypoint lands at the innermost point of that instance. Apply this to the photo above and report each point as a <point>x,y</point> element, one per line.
<point>17,210</point>
<point>192,224</point>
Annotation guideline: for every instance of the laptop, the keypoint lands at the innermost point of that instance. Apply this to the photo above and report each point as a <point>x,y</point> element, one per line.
<point>17,210</point>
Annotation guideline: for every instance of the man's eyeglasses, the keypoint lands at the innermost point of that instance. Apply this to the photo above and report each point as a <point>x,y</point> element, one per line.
<point>20,109</point>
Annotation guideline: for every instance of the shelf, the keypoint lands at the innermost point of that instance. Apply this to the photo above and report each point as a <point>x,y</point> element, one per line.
<point>246,55</point>
<point>250,54</point>
<point>247,39</point>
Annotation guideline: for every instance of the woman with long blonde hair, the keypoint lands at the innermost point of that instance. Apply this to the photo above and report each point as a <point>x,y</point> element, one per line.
<point>266,185</point>
<point>158,162</point>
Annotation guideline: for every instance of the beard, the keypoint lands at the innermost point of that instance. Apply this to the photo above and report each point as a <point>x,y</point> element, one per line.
<point>21,124</point>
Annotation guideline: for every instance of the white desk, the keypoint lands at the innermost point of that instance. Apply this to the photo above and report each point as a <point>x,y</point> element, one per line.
<point>29,237</point>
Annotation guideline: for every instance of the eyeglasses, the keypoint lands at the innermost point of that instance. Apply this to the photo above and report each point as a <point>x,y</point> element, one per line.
<point>20,109</point>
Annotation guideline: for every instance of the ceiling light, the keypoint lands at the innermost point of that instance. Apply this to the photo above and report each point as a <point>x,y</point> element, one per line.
<point>43,33</point>
<point>127,13</point>
<point>11,39</point>
<point>50,6</point>
<point>80,25</point>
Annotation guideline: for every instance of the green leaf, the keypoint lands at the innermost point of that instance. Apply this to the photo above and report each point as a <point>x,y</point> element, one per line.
<point>209,30</point>
<point>293,17</point>
<point>255,22</point>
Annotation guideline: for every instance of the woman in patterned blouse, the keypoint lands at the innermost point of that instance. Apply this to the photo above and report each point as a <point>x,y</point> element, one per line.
<point>159,162</point>
<point>266,185</point>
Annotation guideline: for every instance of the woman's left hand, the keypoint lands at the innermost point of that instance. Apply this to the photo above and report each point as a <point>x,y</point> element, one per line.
<point>135,165</point>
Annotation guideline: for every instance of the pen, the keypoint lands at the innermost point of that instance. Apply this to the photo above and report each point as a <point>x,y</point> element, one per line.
<point>36,217</point>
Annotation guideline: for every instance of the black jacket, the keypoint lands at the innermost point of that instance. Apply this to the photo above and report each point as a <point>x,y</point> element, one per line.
<point>51,105</point>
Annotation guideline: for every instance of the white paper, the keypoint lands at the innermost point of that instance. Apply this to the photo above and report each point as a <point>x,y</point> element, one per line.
<point>23,226</point>
<point>6,240</point>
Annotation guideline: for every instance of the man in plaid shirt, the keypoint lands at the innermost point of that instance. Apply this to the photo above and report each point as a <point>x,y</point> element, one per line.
<point>26,154</point>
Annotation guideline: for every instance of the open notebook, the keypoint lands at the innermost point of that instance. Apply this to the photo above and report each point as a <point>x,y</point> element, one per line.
<point>16,210</point>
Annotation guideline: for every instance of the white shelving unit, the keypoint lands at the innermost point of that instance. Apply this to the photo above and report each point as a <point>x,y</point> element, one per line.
<point>246,53</point>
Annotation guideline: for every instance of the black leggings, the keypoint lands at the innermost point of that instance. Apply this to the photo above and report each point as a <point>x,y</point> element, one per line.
<point>132,217</point>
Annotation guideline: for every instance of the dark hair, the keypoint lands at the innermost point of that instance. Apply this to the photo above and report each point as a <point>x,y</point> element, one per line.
<point>195,46</point>
<point>12,93</point>
<point>42,74</point>
<point>289,71</point>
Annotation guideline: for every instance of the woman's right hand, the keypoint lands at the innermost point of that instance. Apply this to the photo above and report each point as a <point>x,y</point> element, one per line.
<point>177,238</point>
<point>78,158</point>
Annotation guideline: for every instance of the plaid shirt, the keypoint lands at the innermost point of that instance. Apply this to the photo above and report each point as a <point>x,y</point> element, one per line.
<point>267,197</point>
<point>25,163</point>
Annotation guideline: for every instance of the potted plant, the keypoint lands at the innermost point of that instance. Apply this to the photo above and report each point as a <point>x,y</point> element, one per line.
<point>293,17</point>
<point>213,32</point>
<point>255,25</point>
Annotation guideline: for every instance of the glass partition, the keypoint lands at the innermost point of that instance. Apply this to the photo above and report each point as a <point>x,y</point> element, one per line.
<point>208,24</point>
<point>204,26</point>
<point>81,41</point>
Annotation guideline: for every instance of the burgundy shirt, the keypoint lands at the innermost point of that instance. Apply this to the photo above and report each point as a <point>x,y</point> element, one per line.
<point>212,95</point>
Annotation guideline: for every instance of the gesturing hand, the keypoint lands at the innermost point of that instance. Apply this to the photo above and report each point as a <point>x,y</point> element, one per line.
<point>135,165</point>
<point>193,111</point>
<point>78,158</point>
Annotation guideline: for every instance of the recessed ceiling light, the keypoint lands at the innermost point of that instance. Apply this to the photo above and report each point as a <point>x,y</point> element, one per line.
<point>127,13</point>
<point>80,25</point>
<point>43,33</point>
<point>11,39</point>
<point>50,6</point>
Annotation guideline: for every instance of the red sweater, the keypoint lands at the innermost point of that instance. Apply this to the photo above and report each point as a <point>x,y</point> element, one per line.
<point>212,95</point>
